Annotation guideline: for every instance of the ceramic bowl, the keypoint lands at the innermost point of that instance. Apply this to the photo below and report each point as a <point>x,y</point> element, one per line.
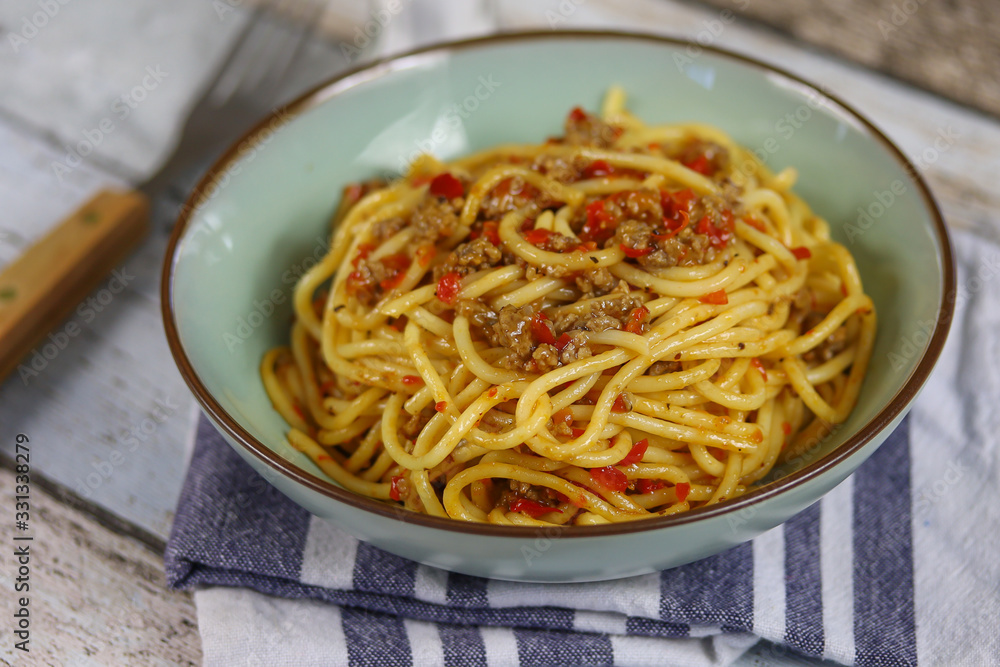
<point>259,219</point>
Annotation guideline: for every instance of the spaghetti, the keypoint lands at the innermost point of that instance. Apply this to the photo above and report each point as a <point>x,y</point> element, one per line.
<point>623,322</point>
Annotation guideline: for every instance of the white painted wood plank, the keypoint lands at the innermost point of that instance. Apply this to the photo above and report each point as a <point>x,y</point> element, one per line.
<point>95,598</point>
<point>109,412</point>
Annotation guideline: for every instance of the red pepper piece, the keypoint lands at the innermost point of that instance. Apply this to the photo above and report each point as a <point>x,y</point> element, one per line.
<point>682,489</point>
<point>636,453</point>
<point>410,380</point>
<point>635,319</point>
<point>619,404</point>
<point>564,416</point>
<point>353,192</point>
<point>441,406</point>
<point>540,328</point>
<point>649,485</point>
<point>537,237</point>
<point>490,232</point>
<point>394,487</point>
<point>446,185</point>
<point>600,223</point>
<point>398,264</point>
<point>532,508</point>
<point>597,168</point>
<point>610,478</point>
<point>718,235</point>
<point>700,164</point>
<point>801,252</point>
<point>716,298</point>
<point>448,287</point>
<point>364,249</point>
<point>635,252</point>
<point>759,365</point>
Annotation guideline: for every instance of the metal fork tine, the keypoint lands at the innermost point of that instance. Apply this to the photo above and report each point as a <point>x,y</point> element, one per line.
<point>230,74</point>
<point>279,66</point>
<point>270,50</point>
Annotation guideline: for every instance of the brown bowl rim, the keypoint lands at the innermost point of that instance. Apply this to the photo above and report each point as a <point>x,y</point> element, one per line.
<point>358,75</point>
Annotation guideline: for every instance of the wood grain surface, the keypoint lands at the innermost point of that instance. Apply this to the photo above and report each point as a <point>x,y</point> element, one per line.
<point>93,594</point>
<point>951,48</point>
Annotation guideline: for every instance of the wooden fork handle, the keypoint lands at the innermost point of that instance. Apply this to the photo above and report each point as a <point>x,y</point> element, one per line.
<point>40,288</point>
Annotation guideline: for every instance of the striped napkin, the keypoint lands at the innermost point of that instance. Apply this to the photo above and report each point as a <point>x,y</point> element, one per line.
<point>897,562</point>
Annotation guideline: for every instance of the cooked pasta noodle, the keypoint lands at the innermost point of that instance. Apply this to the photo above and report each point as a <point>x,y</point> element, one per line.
<point>623,322</point>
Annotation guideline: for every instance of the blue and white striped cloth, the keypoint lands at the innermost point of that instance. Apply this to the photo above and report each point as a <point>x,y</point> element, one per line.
<point>898,562</point>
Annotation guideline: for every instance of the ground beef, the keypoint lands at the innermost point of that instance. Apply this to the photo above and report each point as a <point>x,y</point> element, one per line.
<point>546,357</point>
<point>557,242</point>
<point>664,367</point>
<point>801,307</point>
<point>686,249</point>
<point>384,229</point>
<point>584,129</point>
<point>633,234</point>
<point>713,205</point>
<point>470,257</point>
<point>492,423</point>
<point>834,344</point>
<point>412,426</point>
<point>706,157</point>
<point>597,282</point>
<point>512,194</point>
<point>517,490</point>
<point>609,312</point>
<point>643,205</point>
<point>559,168</point>
<point>364,280</point>
<point>480,315</point>
<point>513,332</point>
<point>576,349</point>
<point>435,218</point>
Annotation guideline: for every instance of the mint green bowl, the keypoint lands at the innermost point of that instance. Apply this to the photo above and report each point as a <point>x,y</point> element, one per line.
<point>259,219</point>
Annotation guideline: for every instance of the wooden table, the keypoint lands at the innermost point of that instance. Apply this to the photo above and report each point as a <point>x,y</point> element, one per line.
<point>110,421</point>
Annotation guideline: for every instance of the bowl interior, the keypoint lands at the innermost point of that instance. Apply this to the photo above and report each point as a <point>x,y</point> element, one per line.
<point>266,220</point>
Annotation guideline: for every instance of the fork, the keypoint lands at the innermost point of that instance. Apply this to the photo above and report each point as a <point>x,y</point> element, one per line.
<point>41,287</point>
